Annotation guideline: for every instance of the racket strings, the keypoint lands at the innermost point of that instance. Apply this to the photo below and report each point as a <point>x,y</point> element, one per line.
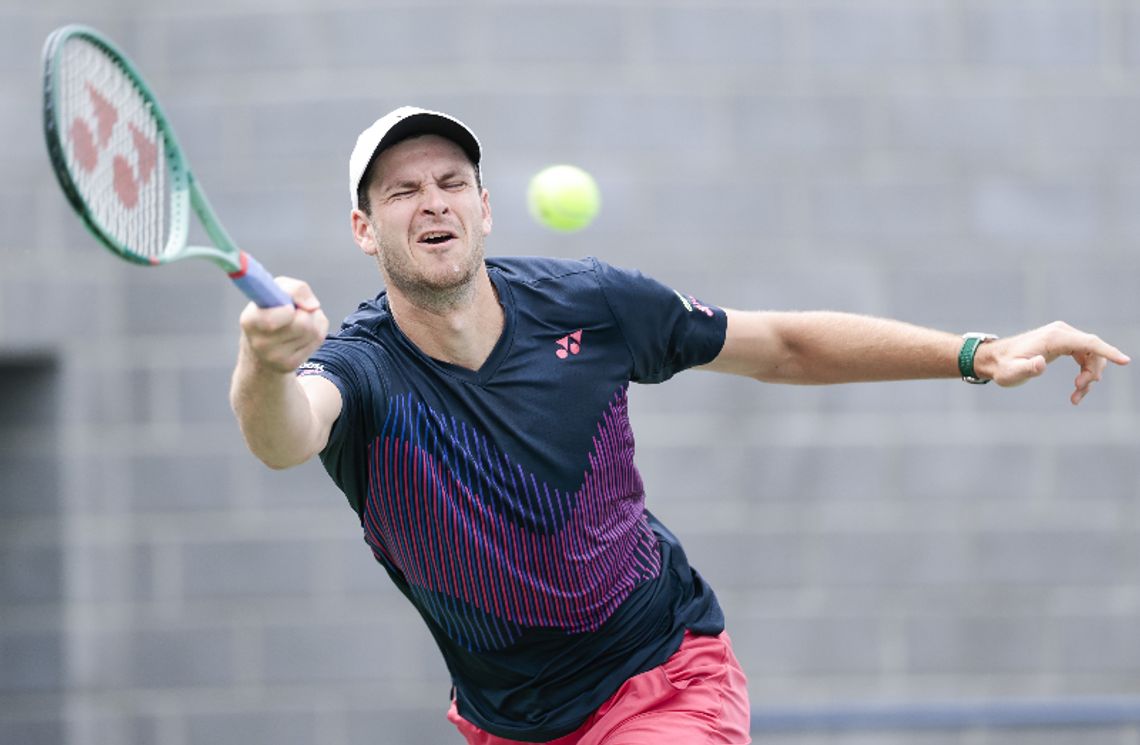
<point>114,149</point>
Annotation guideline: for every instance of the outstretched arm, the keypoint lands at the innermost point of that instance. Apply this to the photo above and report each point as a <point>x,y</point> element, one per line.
<point>285,419</point>
<point>824,347</point>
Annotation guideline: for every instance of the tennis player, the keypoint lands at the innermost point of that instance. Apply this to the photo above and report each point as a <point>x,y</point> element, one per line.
<point>474,415</point>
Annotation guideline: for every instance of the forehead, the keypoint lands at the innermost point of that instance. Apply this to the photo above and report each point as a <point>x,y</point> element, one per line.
<point>419,155</point>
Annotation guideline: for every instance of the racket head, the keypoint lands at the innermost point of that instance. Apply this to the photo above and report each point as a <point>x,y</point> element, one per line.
<point>115,153</point>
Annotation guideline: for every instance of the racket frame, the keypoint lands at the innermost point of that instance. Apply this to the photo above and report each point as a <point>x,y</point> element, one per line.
<point>185,192</point>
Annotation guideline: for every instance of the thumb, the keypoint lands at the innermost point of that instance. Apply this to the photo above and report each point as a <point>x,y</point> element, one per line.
<point>306,300</point>
<point>1021,370</point>
<point>303,296</point>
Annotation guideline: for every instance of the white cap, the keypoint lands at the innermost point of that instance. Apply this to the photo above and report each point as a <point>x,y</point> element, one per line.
<point>405,122</point>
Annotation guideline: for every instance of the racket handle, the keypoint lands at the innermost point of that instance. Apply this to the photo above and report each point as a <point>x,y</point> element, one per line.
<point>258,284</point>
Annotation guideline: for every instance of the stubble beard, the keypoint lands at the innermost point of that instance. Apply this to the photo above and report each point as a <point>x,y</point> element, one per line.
<point>445,291</point>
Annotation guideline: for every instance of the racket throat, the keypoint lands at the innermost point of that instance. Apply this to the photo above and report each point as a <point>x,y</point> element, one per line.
<point>243,266</point>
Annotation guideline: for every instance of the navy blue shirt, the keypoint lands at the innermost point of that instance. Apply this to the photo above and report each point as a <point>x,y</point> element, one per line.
<point>504,502</point>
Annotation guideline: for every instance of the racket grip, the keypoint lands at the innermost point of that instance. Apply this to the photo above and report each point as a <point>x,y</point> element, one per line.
<point>258,284</point>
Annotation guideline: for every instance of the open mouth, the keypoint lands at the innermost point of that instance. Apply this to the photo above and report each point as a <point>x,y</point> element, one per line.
<point>437,237</point>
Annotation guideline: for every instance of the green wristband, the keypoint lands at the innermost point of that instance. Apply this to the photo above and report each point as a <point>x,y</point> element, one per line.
<point>970,343</point>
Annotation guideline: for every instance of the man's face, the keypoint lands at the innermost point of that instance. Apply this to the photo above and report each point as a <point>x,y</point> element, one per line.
<point>429,217</point>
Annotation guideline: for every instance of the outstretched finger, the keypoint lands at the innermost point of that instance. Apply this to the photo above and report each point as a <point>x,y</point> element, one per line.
<point>1101,348</point>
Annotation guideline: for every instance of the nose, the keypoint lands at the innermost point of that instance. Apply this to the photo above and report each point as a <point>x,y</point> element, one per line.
<point>433,201</point>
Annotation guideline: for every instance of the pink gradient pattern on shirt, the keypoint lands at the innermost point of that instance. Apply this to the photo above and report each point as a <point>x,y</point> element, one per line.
<point>461,520</point>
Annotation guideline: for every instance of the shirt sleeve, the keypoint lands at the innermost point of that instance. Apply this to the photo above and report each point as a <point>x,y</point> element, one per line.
<point>666,331</point>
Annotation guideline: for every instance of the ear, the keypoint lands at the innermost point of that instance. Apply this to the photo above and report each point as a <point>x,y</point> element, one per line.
<point>486,203</point>
<point>363,233</point>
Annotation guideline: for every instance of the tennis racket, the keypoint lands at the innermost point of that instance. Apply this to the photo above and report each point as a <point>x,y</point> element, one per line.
<point>120,165</point>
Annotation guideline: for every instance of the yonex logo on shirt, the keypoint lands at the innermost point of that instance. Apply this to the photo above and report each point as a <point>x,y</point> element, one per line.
<point>569,344</point>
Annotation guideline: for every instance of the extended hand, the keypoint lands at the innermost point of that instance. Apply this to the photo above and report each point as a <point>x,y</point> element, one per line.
<point>1012,361</point>
<point>280,339</point>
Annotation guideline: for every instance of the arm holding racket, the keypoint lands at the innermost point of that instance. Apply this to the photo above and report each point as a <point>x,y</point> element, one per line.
<point>285,419</point>
<point>121,168</point>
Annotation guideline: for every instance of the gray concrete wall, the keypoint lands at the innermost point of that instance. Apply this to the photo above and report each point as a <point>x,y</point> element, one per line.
<point>968,164</point>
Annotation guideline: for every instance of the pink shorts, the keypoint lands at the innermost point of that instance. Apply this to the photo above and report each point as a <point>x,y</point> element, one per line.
<point>698,697</point>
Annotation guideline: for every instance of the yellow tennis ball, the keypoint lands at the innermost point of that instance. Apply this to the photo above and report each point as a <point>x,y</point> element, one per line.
<point>563,198</point>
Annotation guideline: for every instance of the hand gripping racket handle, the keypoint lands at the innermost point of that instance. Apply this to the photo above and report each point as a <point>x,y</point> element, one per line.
<point>258,284</point>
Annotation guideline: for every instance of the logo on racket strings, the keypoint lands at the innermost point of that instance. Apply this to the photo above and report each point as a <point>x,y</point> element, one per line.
<point>89,143</point>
